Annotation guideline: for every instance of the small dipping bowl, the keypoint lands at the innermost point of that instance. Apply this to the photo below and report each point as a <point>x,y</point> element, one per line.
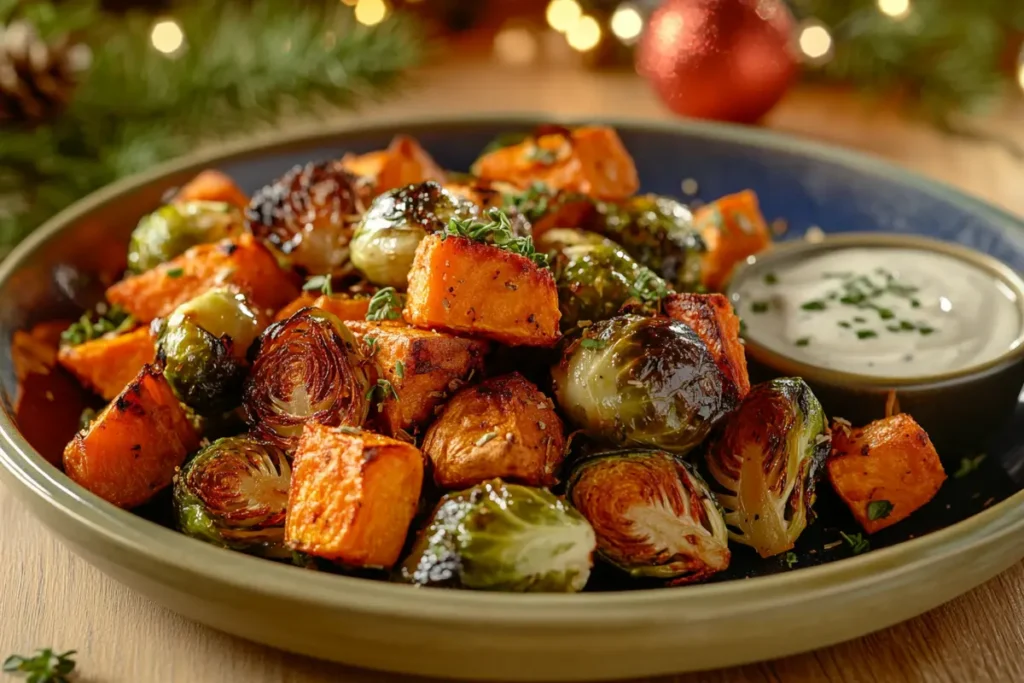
<point>961,409</point>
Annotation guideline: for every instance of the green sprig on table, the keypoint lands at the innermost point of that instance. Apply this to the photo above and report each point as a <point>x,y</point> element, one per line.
<point>242,66</point>
<point>45,666</point>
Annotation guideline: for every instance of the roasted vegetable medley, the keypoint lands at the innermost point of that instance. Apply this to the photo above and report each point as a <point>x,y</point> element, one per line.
<point>510,380</point>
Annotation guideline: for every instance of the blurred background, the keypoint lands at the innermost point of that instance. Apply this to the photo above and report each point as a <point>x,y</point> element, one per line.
<point>93,91</point>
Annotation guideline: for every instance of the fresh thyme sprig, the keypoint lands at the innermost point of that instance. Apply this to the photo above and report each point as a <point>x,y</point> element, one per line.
<point>321,283</point>
<point>45,666</point>
<point>386,304</point>
<point>498,232</point>
<point>95,324</point>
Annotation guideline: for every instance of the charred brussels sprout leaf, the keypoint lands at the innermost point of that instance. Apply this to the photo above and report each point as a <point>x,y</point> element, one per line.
<point>203,346</point>
<point>658,232</point>
<point>595,279</point>
<point>387,236</point>
<point>173,229</point>
<point>765,464</point>
<point>502,537</point>
<point>234,494</point>
<point>309,214</point>
<point>639,381</point>
<point>306,368</point>
<point>652,513</point>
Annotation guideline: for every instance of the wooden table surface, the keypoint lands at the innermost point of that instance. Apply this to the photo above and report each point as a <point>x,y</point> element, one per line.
<point>49,597</point>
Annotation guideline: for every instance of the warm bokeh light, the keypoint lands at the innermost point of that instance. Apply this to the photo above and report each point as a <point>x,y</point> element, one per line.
<point>1020,72</point>
<point>585,34</point>
<point>167,36</point>
<point>370,12</point>
<point>897,9</point>
<point>516,45</point>
<point>350,3</point>
<point>815,41</point>
<point>562,15</point>
<point>627,24</point>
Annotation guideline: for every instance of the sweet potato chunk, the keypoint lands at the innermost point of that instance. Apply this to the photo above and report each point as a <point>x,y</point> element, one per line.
<point>468,287</point>
<point>212,186</point>
<point>352,496</point>
<point>733,229</point>
<point>884,471</point>
<point>304,300</point>
<point>131,450</point>
<point>344,307</point>
<point>711,316</point>
<point>590,159</point>
<point>241,261</point>
<point>106,365</point>
<point>422,366</point>
<point>403,163</point>
<point>503,428</point>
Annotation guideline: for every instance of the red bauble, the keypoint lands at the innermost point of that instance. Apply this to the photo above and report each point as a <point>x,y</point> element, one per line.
<point>730,60</point>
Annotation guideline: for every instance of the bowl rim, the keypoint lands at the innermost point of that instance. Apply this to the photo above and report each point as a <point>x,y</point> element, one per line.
<point>786,252</point>
<point>586,611</point>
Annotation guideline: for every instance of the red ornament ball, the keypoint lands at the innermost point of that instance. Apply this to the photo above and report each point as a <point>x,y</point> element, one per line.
<point>730,60</point>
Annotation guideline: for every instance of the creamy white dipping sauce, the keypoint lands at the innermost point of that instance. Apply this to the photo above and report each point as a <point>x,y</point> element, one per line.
<point>880,311</point>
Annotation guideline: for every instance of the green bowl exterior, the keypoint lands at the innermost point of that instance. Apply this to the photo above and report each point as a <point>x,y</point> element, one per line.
<point>469,635</point>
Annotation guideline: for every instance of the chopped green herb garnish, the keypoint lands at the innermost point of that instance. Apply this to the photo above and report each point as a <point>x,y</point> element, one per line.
<point>885,313</point>
<point>859,319</point>
<point>386,304</point>
<point>114,320</point>
<point>759,307</point>
<point>45,666</point>
<point>815,305</point>
<point>533,203</point>
<point>384,389</point>
<point>844,324</point>
<point>914,303</point>
<point>879,509</point>
<point>771,279</point>
<point>319,282</point>
<point>803,341</point>
<point>485,438</point>
<point>174,272</point>
<point>347,429</point>
<point>968,465</point>
<point>858,544</point>
<point>541,155</point>
<point>498,232</point>
<point>907,325</point>
<point>593,343</point>
<point>925,330</point>
<point>790,559</point>
<point>866,334</point>
<point>400,369</point>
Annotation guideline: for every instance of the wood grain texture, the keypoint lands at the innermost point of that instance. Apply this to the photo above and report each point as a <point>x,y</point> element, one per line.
<point>49,597</point>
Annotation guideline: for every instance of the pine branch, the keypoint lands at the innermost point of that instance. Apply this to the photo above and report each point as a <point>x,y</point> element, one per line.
<point>244,65</point>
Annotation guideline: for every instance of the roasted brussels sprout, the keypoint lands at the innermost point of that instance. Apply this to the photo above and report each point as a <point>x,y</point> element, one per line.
<point>596,278</point>
<point>203,346</point>
<point>658,232</point>
<point>309,214</point>
<point>234,494</point>
<point>172,229</point>
<point>765,464</point>
<point>502,537</point>
<point>652,513</point>
<point>386,238</point>
<point>641,381</point>
<point>308,367</point>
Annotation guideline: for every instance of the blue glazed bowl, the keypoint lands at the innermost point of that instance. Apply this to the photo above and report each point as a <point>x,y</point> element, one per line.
<point>829,596</point>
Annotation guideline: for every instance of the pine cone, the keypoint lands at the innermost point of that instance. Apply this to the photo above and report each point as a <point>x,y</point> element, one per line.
<point>36,79</point>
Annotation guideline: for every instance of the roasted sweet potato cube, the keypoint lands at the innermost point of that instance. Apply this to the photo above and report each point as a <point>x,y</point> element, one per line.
<point>590,159</point>
<point>241,261</point>
<point>132,448</point>
<point>213,186</point>
<point>884,471</point>
<point>403,163</point>
<point>712,317</point>
<point>467,287</point>
<point>304,300</point>
<point>502,428</point>
<point>423,366</point>
<point>352,496</point>
<point>733,229</point>
<point>344,307</point>
<point>106,365</point>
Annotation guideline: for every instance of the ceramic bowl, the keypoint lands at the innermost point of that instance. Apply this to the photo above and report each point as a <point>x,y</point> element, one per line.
<point>960,410</point>
<point>973,530</point>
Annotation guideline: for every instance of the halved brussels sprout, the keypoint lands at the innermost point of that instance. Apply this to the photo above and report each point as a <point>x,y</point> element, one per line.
<point>658,232</point>
<point>765,464</point>
<point>203,346</point>
<point>641,381</point>
<point>234,494</point>
<point>173,229</point>
<point>308,367</point>
<point>386,238</point>
<point>502,537</point>
<point>309,214</point>
<point>596,278</point>
<point>653,514</point>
